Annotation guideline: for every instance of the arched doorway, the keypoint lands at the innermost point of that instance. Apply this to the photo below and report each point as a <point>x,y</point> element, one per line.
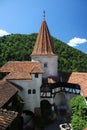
<point>46,108</point>
<point>27,117</point>
<point>60,103</point>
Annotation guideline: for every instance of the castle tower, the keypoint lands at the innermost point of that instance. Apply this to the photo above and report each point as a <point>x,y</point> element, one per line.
<point>44,52</point>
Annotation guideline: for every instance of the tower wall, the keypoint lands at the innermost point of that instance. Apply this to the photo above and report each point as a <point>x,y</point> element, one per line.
<point>49,65</point>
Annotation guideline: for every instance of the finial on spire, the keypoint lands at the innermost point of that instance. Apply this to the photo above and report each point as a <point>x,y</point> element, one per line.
<point>44,14</point>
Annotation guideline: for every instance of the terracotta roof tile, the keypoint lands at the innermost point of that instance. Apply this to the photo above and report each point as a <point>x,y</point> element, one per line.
<point>6,117</point>
<point>19,66</point>
<point>44,44</point>
<point>36,69</point>
<point>77,78</point>
<point>74,78</point>
<point>7,90</point>
<point>52,79</point>
<point>21,69</point>
<point>18,76</point>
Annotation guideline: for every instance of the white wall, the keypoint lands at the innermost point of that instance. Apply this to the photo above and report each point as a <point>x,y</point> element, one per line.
<point>30,100</point>
<point>52,69</point>
<point>63,97</point>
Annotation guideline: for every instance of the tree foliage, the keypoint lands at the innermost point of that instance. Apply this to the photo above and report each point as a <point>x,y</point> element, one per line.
<point>79,113</point>
<point>18,47</point>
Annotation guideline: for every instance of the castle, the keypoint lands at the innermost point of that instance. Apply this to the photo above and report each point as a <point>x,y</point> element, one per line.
<point>39,79</point>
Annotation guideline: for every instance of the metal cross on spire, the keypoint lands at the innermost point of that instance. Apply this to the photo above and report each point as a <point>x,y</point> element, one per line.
<point>44,14</point>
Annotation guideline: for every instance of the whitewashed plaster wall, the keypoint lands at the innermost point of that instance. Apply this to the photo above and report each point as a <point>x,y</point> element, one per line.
<point>52,65</point>
<point>30,100</point>
<point>63,97</point>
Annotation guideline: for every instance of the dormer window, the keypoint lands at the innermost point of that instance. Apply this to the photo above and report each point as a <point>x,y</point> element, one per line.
<point>45,65</point>
<point>36,75</point>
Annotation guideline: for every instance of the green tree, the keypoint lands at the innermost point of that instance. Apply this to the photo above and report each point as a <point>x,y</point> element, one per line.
<point>79,113</point>
<point>18,47</point>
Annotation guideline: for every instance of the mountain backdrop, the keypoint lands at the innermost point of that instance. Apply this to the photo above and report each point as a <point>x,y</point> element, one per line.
<point>18,47</point>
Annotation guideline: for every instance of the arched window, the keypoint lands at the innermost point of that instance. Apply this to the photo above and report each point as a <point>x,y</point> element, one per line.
<point>29,91</point>
<point>34,91</point>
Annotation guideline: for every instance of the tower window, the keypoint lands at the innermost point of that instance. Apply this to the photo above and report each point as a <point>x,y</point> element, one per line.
<point>45,65</point>
<point>29,91</point>
<point>34,91</point>
<point>36,75</point>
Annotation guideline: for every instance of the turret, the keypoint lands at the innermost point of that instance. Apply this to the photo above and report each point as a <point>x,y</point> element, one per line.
<point>44,52</point>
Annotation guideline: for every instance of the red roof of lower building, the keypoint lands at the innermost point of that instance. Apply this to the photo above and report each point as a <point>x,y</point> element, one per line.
<point>7,91</point>
<point>77,78</point>
<point>20,70</point>
<point>18,76</point>
<point>19,66</point>
<point>74,78</point>
<point>6,117</point>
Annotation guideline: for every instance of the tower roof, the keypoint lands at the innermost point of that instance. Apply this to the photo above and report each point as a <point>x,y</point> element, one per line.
<point>44,44</point>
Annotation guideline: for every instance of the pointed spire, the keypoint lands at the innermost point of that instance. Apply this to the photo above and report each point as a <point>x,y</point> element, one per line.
<point>44,44</point>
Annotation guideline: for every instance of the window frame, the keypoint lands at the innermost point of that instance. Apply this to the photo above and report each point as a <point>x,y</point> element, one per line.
<point>45,65</point>
<point>34,91</point>
<point>29,91</point>
<point>36,75</point>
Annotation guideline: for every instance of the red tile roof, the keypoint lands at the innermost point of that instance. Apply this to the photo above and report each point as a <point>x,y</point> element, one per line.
<point>81,79</point>
<point>36,69</point>
<point>6,117</point>
<point>74,78</point>
<point>44,44</point>
<point>19,66</point>
<point>52,79</point>
<point>7,91</point>
<point>21,69</point>
<point>18,76</point>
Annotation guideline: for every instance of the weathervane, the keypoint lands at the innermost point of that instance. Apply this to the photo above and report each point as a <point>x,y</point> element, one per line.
<point>44,14</point>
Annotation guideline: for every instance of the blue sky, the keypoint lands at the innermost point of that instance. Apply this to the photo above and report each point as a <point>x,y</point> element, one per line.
<point>66,19</point>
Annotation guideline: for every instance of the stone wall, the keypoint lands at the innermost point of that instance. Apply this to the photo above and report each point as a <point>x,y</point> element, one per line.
<point>52,65</point>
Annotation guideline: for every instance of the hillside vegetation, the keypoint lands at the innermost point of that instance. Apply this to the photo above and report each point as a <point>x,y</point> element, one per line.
<point>18,47</point>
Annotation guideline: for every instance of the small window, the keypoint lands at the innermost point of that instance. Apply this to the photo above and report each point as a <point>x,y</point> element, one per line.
<point>29,91</point>
<point>45,65</point>
<point>36,75</point>
<point>34,91</point>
